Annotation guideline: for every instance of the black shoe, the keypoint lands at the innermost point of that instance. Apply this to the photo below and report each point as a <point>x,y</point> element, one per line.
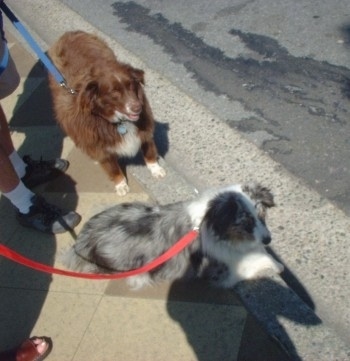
<point>42,171</point>
<point>48,218</point>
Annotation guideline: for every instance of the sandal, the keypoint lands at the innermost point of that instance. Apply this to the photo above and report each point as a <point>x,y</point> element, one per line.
<point>27,351</point>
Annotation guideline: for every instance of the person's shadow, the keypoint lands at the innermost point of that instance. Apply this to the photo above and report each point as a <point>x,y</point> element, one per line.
<point>22,290</point>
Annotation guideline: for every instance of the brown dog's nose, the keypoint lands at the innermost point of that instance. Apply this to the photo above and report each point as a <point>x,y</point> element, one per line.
<point>134,107</point>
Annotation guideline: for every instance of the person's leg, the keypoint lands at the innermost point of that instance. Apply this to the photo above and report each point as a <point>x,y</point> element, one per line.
<point>10,184</point>
<point>31,172</point>
<point>5,137</point>
<point>33,211</point>
<point>16,174</point>
<point>9,178</point>
<point>9,80</point>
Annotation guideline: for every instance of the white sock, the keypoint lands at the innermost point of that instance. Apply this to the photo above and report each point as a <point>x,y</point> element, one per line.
<point>18,164</point>
<point>20,197</point>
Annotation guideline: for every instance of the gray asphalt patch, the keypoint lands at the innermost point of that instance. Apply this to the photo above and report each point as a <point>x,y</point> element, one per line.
<point>301,106</point>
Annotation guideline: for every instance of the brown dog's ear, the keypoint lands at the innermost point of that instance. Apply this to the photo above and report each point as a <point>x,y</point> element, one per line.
<point>89,94</point>
<point>138,75</point>
<point>91,88</point>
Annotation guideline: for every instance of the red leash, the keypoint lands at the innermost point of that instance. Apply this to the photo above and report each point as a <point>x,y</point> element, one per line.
<point>171,252</point>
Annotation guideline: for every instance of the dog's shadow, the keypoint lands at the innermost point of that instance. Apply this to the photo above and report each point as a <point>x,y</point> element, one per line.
<point>162,142</point>
<point>218,328</point>
<point>211,318</point>
<point>161,138</point>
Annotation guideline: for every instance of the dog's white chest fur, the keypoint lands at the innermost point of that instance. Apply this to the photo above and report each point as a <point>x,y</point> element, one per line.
<point>131,143</point>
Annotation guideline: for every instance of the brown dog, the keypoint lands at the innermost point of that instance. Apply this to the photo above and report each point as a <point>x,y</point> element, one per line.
<point>109,115</point>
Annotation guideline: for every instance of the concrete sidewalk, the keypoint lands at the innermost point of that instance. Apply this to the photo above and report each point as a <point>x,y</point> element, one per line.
<point>102,320</point>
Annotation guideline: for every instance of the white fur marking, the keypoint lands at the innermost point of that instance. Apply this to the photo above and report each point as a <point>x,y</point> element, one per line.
<point>130,144</point>
<point>254,262</point>
<point>247,263</point>
<point>137,282</point>
<point>122,188</point>
<point>156,170</point>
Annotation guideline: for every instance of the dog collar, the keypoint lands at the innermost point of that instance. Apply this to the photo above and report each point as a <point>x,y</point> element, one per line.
<point>121,128</point>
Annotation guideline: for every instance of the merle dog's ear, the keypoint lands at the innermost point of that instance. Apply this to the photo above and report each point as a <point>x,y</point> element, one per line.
<point>260,195</point>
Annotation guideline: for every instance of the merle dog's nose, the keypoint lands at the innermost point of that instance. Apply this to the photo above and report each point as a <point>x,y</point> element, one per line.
<point>266,240</point>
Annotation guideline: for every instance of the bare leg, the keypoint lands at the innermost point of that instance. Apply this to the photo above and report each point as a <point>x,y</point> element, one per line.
<point>40,215</point>
<point>8,178</point>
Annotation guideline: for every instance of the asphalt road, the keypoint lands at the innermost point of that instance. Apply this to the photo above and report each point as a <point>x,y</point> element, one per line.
<point>278,72</point>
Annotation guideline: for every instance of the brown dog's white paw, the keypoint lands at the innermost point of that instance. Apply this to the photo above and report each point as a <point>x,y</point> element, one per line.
<point>156,170</point>
<point>122,188</point>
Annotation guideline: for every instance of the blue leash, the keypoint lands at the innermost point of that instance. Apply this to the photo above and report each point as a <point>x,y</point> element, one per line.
<point>42,56</point>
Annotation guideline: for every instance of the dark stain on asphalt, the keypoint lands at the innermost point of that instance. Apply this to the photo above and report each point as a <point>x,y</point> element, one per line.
<point>301,105</point>
<point>345,32</point>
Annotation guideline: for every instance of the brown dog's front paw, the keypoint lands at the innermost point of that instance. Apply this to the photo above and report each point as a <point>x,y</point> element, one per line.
<point>122,188</point>
<point>156,170</point>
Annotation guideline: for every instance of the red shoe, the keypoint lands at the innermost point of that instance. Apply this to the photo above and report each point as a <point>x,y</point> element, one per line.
<point>28,351</point>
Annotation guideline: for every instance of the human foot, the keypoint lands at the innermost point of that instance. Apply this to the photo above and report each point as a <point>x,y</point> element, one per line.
<point>46,217</point>
<point>42,171</point>
<point>32,349</point>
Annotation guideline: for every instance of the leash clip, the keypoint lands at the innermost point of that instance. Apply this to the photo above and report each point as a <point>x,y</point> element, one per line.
<point>63,84</point>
